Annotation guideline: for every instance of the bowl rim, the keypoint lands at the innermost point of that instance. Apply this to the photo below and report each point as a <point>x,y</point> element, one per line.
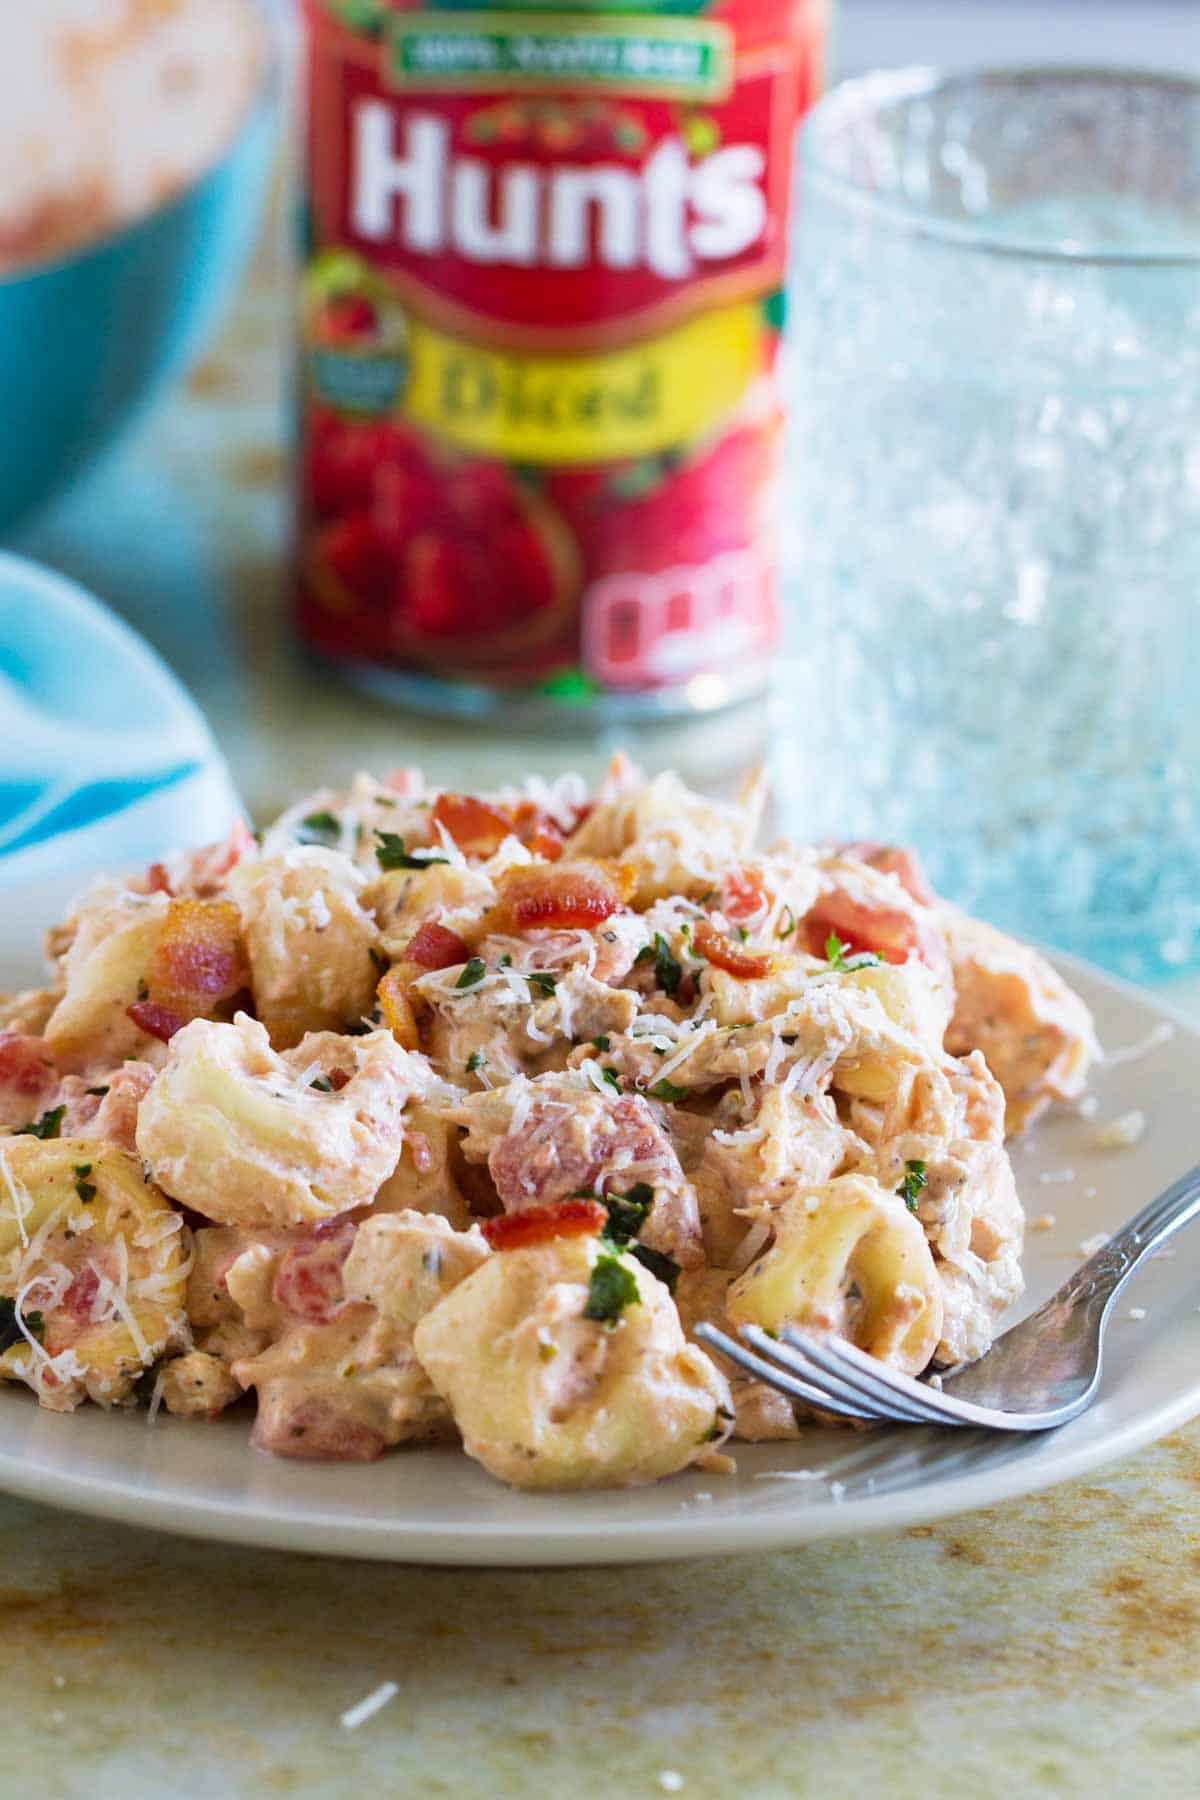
<point>64,595</point>
<point>278,35</point>
<point>860,96</point>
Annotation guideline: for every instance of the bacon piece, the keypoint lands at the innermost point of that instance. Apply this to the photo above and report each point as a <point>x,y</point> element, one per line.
<point>199,960</point>
<point>27,1068</point>
<point>434,946</point>
<point>308,1427</point>
<point>208,867</point>
<point>158,879</point>
<point>161,1022</point>
<point>477,828</point>
<point>405,780</point>
<point>308,1281</point>
<point>396,1007</point>
<point>80,1297</point>
<point>743,895</point>
<point>897,860</point>
<point>571,896</point>
<point>542,1224</point>
<point>716,948</point>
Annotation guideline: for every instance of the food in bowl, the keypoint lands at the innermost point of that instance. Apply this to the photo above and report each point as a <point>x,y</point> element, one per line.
<point>110,108</point>
<point>438,1115</point>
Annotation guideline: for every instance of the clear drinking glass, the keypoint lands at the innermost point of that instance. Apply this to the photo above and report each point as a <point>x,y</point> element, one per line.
<point>994,494</point>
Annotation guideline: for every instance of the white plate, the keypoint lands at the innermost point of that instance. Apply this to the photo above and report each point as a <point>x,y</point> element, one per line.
<point>436,1506</point>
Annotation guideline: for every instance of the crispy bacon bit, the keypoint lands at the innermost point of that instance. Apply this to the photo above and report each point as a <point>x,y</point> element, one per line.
<point>199,960</point>
<point>208,867</point>
<point>434,946</point>
<point>80,1297</point>
<point>542,1224</point>
<point>338,1079</point>
<point>158,879</point>
<point>723,953</point>
<point>398,1014</point>
<point>743,895</point>
<point>538,832</point>
<point>404,780</point>
<point>572,896</point>
<point>308,1281</point>
<point>26,1065</point>
<point>479,827</point>
<point>897,860</point>
<point>476,827</point>
<point>294,1422</point>
<point>161,1022</point>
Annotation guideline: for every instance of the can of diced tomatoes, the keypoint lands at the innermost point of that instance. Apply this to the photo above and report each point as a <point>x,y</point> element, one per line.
<point>540,419</point>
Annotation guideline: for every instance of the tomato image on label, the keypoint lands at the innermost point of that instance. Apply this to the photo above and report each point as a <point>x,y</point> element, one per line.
<point>540,423</point>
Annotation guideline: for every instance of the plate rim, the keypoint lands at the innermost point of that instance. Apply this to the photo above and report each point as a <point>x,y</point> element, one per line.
<point>686,1535</point>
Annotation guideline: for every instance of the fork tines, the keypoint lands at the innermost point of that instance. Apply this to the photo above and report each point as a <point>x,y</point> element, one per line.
<point>831,1375</point>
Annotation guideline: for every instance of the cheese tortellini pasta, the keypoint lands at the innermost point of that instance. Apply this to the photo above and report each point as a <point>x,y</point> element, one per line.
<point>432,1115</point>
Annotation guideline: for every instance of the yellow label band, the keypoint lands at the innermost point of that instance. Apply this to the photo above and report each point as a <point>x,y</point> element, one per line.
<point>625,403</point>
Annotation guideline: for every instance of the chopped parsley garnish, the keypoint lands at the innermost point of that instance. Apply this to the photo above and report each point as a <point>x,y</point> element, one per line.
<point>915,1179</point>
<point>719,1426</point>
<point>391,854</point>
<point>473,973</point>
<point>612,1078</point>
<point>787,923</point>
<point>35,1324</point>
<point>48,1126</point>
<point>83,1187</point>
<point>322,1084</point>
<point>543,981</point>
<point>835,956</point>
<point>628,1212</point>
<point>611,1289</point>
<point>743,932</point>
<point>601,1043</point>
<point>666,1090</point>
<point>475,1062</point>
<point>379,959</point>
<point>96,1090</point>
<point>320,828</point>
<point>506,960</point>
<point>665,1267</point>
<point>668,971</point>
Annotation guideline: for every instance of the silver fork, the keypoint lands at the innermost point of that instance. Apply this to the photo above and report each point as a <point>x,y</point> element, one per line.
<point>1043,1372</point>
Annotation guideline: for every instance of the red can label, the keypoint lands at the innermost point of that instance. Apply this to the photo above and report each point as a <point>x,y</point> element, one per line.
<point>540,419</point>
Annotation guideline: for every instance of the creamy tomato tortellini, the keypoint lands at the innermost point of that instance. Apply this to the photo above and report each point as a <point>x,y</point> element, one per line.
<point>429,1114</point>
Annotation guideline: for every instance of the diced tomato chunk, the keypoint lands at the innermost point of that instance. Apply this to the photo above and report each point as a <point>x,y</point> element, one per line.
<point>748,965</point>
<point>897,860</point>
<point>161,1022</point>
<point>542,1224</point>
<point>571,896</point>
<point>434,946</point>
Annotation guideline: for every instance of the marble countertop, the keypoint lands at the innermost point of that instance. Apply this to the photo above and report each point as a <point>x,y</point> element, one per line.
<point>1050,1646</point>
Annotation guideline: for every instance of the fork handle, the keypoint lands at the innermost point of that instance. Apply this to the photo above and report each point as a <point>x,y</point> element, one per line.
<point>1113,1264</point>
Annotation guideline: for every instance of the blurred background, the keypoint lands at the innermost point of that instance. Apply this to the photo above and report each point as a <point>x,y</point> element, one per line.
<point>184,528</point>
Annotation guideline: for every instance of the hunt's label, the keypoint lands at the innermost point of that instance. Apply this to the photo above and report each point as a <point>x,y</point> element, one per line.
<point>541,318</point>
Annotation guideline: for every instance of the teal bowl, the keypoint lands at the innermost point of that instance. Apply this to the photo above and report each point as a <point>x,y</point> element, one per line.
<point>86,343</point>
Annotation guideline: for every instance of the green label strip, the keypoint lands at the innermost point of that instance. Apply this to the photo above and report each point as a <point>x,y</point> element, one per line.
<point>676,59</point>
